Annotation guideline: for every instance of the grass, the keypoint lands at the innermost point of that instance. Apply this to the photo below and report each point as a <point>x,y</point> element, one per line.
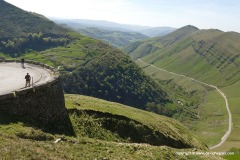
<point>211,56</point>
<point>212,121</point>
<point>167,126</point>
<point>19,141</point>
<point>232,93</point>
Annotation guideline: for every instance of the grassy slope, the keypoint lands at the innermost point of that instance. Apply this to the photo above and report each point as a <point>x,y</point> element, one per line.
<point>19,141</point>
<point>12,25</point>
<point>209,113</point>
<point>208,55</point>
<point>211,56</point>
<point>149,46</point>
<point>169,127</point>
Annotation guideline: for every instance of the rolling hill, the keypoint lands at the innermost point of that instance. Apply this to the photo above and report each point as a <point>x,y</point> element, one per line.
<point>104,130</point>
<point>210,56</point>
<point>142,48</point>
<point>16,23</point>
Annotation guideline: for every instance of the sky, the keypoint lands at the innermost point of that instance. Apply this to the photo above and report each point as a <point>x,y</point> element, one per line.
<point>204,14</point>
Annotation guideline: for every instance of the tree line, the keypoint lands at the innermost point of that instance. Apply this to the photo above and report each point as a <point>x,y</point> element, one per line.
<point>33,41</point>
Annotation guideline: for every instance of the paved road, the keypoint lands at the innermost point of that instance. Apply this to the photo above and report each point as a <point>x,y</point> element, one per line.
<point>12,76</point>
<point>228,132</point>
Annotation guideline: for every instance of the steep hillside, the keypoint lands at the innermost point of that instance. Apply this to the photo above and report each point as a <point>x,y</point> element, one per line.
<point>149,46</point>
<point>113,76</point>
<point>88,66</point>
<point>98,127</point>
<point>135,125</point>
<point>18,23</point>
<point>115,38</point>
<point>210,55</point>
<point>21,31</point>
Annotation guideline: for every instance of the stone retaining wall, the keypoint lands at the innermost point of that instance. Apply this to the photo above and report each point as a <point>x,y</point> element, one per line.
<point>43,104</point>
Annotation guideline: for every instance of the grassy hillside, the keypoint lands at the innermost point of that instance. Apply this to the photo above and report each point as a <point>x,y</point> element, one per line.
<point>17,23</point>
<point>138,125</point>
<point>152,45</point>
<point>211,53</point>
<point>211,56</point>
<point>88,66</point>
<point>21,31</point>
<point>93,68</point>
<point>115,38</point>
<point>203,108</point>
<point>93,140</point>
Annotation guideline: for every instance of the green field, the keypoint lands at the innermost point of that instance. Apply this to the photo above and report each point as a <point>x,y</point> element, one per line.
<point>233,94</point>
<point>212,117</point>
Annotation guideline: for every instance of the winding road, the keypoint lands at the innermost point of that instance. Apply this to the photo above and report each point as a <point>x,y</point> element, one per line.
<point>12,76</point>
<point>224,138</point>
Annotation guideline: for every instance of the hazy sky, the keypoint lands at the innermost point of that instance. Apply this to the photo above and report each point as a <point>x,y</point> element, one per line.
<point>204,14</point>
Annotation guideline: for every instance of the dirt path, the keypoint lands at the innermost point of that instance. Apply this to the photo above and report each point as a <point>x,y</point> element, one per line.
<point>228,132</point>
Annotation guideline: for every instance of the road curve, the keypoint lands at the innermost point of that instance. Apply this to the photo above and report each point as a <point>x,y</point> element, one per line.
<point>12,76</point>
<point>228,132</point>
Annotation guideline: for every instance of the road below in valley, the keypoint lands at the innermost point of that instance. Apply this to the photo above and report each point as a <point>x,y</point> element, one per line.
<point>228,132</point>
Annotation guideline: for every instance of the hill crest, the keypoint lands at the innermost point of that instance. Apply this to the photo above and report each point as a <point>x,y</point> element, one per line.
<point>16,22</point>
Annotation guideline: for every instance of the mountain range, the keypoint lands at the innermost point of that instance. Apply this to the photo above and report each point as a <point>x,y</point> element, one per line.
<point>118,35</point>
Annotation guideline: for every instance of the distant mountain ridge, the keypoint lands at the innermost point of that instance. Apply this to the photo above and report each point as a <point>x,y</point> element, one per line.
<point>146,47</point>
<point>115,38</point>
<point>157,31</point>
<point>83,23</point>
<point>112,26</point>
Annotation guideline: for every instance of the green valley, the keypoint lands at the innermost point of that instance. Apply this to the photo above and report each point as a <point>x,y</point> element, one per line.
<point>210,56</point>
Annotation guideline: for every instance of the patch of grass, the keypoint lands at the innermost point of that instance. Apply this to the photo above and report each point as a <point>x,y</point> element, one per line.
<point>233,94</point>
<point>235,156</point>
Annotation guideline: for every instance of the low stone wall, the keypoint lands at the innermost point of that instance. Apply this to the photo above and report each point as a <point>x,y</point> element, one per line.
<point>43,104</point>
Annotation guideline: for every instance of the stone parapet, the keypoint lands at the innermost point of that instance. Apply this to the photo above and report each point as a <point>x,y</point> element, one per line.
<point>43,103</point>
